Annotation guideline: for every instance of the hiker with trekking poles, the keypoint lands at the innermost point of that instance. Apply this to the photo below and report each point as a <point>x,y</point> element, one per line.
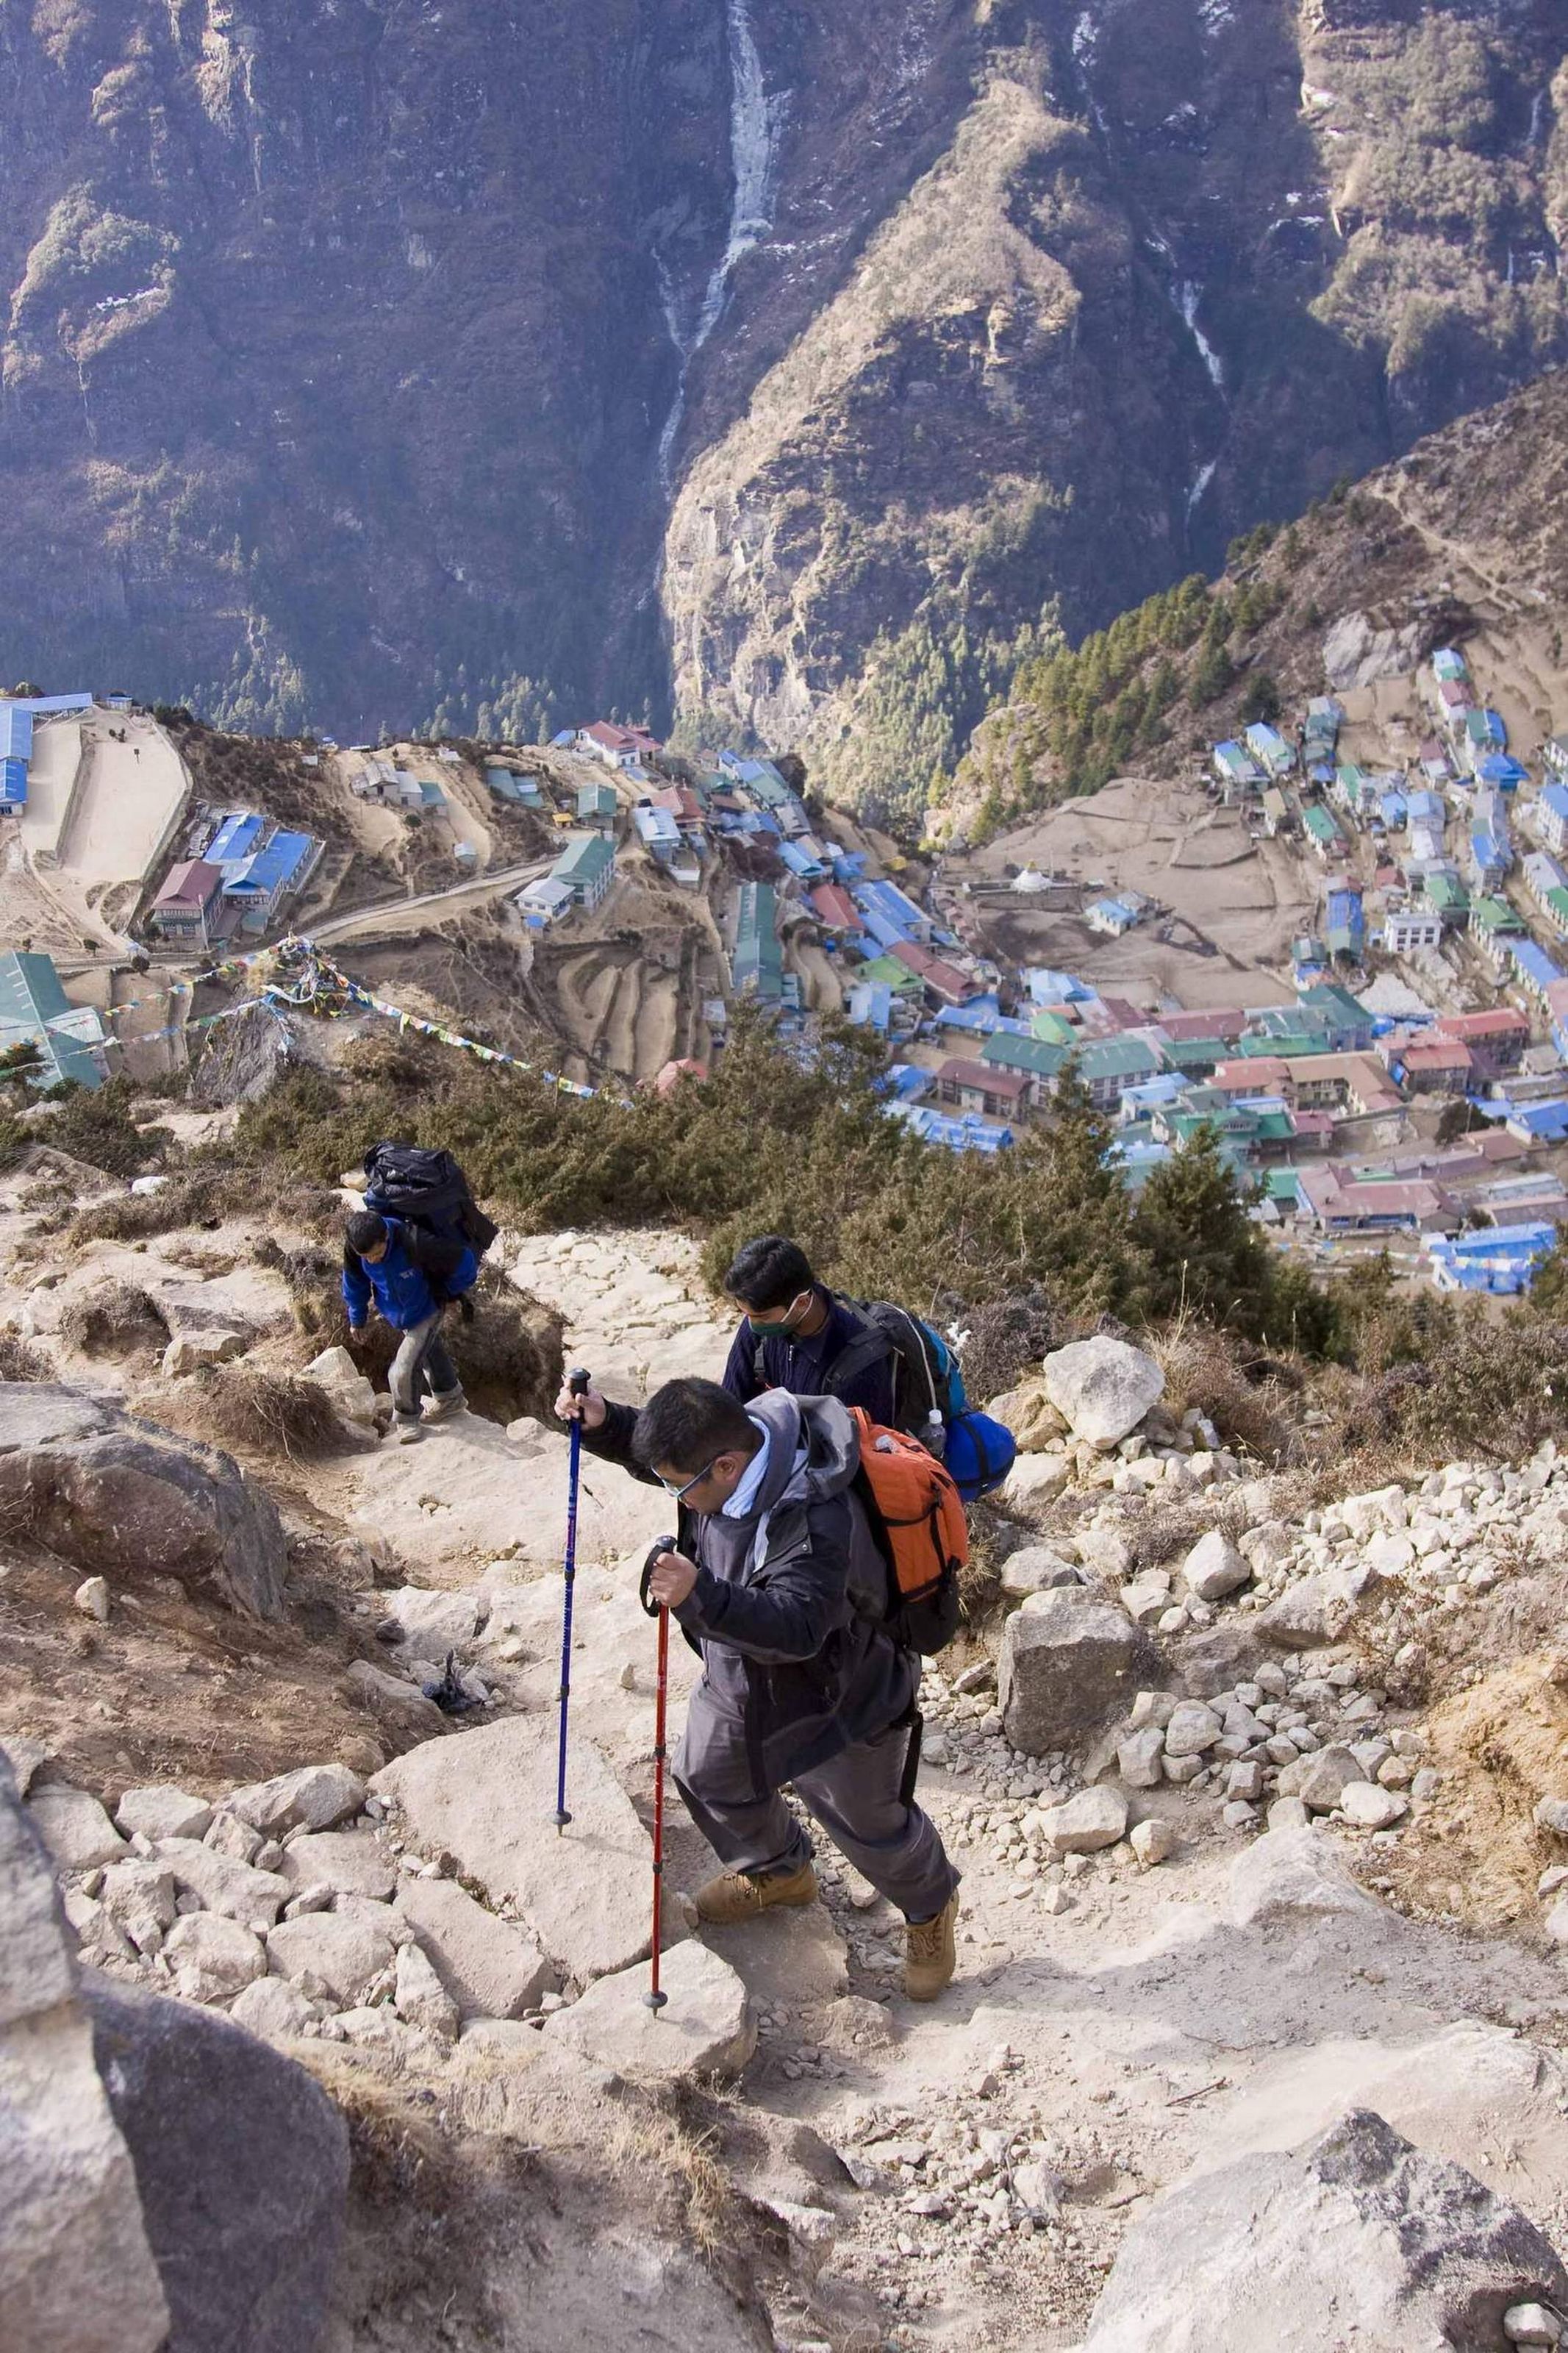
<point>413,1250</point>
<point>816,1556</point>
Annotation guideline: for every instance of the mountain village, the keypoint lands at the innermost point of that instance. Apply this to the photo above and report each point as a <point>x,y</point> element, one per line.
<point>1382,1060</point>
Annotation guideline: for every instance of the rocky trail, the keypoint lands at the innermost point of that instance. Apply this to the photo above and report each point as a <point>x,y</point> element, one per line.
<point>1258,1789</point>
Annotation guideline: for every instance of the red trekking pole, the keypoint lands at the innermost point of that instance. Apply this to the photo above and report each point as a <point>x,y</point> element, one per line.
<point>655,1997</point>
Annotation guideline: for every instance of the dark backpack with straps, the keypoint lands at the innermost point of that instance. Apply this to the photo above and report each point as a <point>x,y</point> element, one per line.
<point>929,1396</point>
<point>427,1190</point>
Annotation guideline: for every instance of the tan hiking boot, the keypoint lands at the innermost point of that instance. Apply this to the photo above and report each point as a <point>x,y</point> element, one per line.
<point>930,1954</point>
<point>737,1895</point>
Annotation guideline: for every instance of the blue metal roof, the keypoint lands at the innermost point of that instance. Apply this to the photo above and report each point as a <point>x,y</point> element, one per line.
<point>266,873</point>
<point>235,838</point>
<point>1533,961</point>
<point>1555,798</point>
<point>15,732</point>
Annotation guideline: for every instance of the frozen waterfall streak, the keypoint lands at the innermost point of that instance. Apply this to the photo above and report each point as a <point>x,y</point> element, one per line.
<point>1186,294</point>
<point>754,134</point>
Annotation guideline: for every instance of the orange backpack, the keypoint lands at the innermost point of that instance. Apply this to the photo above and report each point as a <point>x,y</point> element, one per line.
<point>917,1518</point>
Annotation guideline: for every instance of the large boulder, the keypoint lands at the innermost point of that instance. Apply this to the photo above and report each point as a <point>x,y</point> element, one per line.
<point>1102,1387</point>
<point>1069,1662</point>
<point>489,1798</point>
<point>242,2163</point>
<point>77,2274</point>
<point>116,1496</point>
<point>1355,2240</point>
<point>706,2027</point>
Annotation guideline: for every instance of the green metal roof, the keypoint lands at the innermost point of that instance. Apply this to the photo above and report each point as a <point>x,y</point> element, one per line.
<point>886,971</point>
<point>1035,1055</point>
<point>1054,1027</point>
<point>1327,998</point>
<point>32,1003</point>
<point>1197,1053</point>
<point>1116,1058</point>
<point>1319,823</point>
<point>1495,915</point>
<point>1557,899</point>
<point>1449,896</point>
<point>596,800</point>
<point>584,859</point>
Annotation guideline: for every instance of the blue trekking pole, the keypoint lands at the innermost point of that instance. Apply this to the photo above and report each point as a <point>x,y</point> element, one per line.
<point>579,1387</point>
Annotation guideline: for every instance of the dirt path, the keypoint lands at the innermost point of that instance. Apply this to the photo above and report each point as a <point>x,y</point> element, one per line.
<point>414,914</point>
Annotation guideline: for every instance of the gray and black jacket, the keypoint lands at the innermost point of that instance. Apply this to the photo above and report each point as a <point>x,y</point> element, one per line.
<point>787,1603</point>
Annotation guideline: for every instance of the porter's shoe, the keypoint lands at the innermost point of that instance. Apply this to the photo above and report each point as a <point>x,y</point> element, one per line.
<point>445,1404</point>
<point>737,1895</point>
<point>930,1956</point>
<point>406,1433</point>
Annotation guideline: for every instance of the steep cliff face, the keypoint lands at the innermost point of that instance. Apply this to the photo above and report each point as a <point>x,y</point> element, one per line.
<point>381,359</point>
<point>335,345</point>
<point>1176,266</point>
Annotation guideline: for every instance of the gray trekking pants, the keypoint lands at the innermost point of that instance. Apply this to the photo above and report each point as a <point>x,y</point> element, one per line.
<point>854,1797</point>
<point>423,1362</point>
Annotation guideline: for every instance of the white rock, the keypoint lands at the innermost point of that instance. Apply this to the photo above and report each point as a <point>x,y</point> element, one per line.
<point>1034,1480</point>
<point>74,1826</point>
<point>488,1966</point>
<point>314,1797</point>
<point>345,1955</point>
<point>235,1889</point>
<point>213,1958</point>
<point>1152,1842</point>
<point>1102,1387</point>
<point>489,1799</point>
<point>1036,1569</point>
<point>1371,1806</point>
<point>353,1395</point>
<point>1090,1820</point>
<point>163,1811</point>
<point>1531,2323</point>
<point>273,2009</point>
<point>139,1897</point>
<point>187,1352</point>
<point>707,2027</point>
<point>1138,1759</point>
<point>1288,1872</point>
<point>91,1598</point>
<point>421,1999</point>
<point>351,1863</point>
<point>1215,1567</point>
<point>1192,1728</point>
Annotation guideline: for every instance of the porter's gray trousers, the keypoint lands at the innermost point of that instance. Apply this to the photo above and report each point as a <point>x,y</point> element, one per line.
<point>423,1362</point>
<point>854,1797</point>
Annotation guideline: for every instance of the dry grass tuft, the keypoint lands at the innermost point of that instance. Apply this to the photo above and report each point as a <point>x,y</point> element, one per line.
<point>21,1361</point>
<point>117,1319</point>
<point>248,1410</point>
<point>1247,1395</point>
<point>654,2146</point>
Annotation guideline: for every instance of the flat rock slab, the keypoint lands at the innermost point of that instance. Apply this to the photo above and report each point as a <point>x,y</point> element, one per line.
<point>706,2028</point>
<point>489,1967</point>
<point>488,1797</point>
<point>466,1493</point>
<point>788,1958</point>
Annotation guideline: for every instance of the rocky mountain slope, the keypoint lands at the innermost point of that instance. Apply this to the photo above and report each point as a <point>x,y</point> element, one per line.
<point>363,366</point>
<point>1255,1774</point>
<point>1461,541</point>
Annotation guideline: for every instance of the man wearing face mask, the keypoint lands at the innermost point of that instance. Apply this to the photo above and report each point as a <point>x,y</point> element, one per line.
<point>796,1333</point>
<point>776,1579</point>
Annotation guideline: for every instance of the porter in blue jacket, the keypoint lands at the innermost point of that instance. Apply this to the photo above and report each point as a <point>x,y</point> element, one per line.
<point>411,1277</point>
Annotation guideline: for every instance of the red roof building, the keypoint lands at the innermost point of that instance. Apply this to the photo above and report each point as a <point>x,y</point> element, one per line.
<point>1225,1021</point>
<point>833,906</point>
<point>1436,1066</point>
<point>186,908</point>
<point>976,1086</point>
<point>943,979</point>
<point>1496,1041</point>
